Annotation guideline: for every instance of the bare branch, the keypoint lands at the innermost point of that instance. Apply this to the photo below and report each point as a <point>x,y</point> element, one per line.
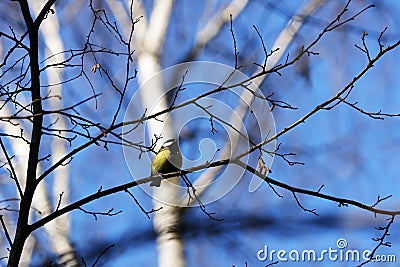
<point>302,207</point>
<point>140,206</point>
<point>12,170</point>
<point>102,253</point>
<point>374,115</point>
<point>101,193</point>
<point>59,201</point>
<point>341,201</point>
<point>236,53</point>
<point>192,195</point>
<point>381,240</point>
<point>3,224</point>
<point>326,103</point>
<point>180,88</point>
<point>214,26</point>
<point>380,199</point>
<point>110,212</point>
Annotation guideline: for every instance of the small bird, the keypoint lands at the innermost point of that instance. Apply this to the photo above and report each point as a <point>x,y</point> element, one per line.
<point>168,159</point>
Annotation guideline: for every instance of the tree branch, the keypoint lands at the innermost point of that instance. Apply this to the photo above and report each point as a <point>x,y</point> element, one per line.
<point>22,231</point>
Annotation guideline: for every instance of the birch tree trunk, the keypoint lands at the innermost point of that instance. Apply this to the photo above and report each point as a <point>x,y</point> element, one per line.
<point>150,39</point>
<point>20,149</point>
<point>149,36</point>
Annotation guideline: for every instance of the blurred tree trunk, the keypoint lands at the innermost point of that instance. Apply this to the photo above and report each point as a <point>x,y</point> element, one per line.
<point>149,43</point>
<point>20,149</point>
<point>149,36</point>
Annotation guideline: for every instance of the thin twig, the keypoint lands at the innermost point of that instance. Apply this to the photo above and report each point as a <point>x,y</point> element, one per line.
<point>14,174</point>
<point>95,213</point>
<point>140,206</point>
<point>381,241</point>
<point>236,53</point>
<point>5,230</point>
<point>102,253</point>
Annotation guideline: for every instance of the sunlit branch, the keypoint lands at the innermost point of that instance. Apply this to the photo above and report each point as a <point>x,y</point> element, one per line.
<point>326,103</point>
<point>123,187</point>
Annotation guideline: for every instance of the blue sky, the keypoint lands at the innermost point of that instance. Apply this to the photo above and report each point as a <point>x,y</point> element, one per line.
<point>352,155</point>
<point>349,153</point>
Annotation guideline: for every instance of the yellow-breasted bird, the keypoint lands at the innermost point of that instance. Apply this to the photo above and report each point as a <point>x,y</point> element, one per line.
<point>168,159</point>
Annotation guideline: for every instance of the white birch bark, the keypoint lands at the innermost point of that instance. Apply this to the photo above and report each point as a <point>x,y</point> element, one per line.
<point>20,150</point>
<point>149,35</point>
<point>149,42</point>
<point>214,25</point>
